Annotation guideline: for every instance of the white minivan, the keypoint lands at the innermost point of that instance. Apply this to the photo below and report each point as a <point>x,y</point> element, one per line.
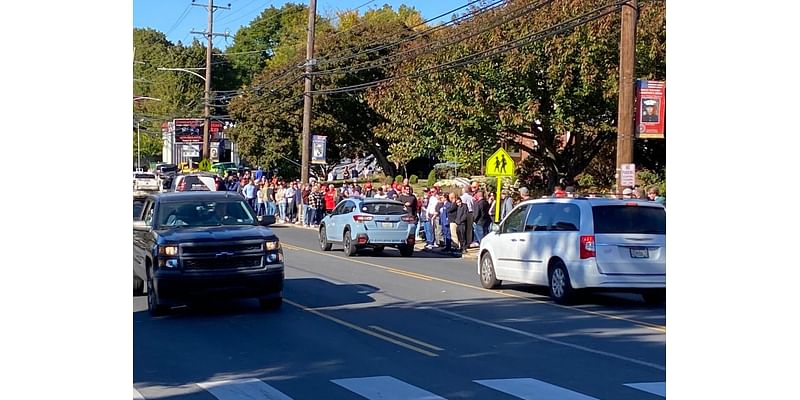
<point>579,243</point>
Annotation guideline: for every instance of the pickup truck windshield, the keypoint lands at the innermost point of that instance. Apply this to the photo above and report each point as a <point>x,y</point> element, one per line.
<point>204,213</point>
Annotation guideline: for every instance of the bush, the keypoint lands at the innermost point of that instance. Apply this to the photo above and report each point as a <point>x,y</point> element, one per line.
<point>205,165</point>
<point>413,179</point>
<point>398,178</point>
<point>431,178</point>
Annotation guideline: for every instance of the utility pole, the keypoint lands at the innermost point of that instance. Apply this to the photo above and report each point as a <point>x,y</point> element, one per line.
<point>627,63</point>
<point>209,34</point>
<point>310,61</point>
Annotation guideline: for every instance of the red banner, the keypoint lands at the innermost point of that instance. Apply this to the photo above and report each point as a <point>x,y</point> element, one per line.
<point>651,102</point>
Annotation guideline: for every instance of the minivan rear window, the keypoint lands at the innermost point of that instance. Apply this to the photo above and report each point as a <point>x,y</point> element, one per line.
<point>629,219</point>
<point>383,209</point>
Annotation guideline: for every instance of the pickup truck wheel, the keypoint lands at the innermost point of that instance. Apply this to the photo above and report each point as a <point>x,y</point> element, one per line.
<point>323,239</point>
<point>349,246</point>
<point>270,304</point>
<point>153,306</point>
<point>138,286</point>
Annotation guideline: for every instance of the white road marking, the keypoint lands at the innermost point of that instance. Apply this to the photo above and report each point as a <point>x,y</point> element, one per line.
<point>137,395</point>
<point>242,389</point>
<point>656,388</point>
<point>385,388</point>
<point>532,389</point>
<point>547,339</point>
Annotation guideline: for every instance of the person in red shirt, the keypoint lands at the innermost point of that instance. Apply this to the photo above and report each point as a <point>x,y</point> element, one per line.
<point>330,199</point>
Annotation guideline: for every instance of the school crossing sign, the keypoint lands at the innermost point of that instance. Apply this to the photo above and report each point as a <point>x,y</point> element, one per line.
<point>500,164</point>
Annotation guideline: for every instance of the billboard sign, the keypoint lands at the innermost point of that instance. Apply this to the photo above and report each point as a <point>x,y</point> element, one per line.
<point>651,101</point>
<point>318,149</point>
<point>190,130</point>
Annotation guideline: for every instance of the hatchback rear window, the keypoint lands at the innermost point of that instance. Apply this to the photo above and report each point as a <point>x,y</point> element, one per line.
<point>383,209</point>
<point>629,219</point>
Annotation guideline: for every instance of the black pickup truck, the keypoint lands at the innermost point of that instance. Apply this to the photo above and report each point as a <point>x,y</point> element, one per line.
<point>200,246</point>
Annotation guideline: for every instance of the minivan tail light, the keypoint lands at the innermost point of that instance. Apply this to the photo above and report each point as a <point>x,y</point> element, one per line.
<point>362,218</point>
<point>587,247</point>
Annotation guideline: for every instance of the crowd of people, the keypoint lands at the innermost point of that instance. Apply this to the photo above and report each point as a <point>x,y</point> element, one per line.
<point>450,221</point>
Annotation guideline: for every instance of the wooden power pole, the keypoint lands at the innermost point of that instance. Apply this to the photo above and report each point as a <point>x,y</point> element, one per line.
<point>310,61</point>
<point>209,34</point>
<point>627,64</point>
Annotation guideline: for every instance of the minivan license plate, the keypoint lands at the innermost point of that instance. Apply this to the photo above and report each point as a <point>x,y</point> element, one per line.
<point>639,252</point>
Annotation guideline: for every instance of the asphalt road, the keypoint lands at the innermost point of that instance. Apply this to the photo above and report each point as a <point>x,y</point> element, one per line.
<point>388,327</point>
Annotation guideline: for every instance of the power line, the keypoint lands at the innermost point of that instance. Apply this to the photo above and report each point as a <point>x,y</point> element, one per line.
<point>416,52</point>
<point>482,55</point>
<point>179,20</point>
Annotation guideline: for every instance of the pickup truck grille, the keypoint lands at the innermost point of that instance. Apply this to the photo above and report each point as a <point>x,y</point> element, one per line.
<point>223,263</point>
<point>222,255</point>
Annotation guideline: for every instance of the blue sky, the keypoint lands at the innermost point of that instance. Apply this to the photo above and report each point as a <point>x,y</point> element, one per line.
<point>177,17</point>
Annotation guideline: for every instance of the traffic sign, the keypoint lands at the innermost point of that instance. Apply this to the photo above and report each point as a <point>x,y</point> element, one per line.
<point>628,175</point>
<point>500,164</point>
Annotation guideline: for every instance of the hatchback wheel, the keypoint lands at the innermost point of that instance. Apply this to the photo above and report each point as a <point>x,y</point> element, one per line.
<point>488,278</point>
<point>560,288</point>
<point>349,246</point>
<point>323,239</point>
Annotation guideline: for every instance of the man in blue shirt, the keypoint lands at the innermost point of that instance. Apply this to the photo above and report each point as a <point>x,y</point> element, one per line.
<point>250,193</point>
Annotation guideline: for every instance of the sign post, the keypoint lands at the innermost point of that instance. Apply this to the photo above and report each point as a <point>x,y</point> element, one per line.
<point>499,164</point>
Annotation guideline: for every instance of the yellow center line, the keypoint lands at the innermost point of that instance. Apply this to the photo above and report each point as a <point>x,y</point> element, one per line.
<point>406,338</point>
<point>647,325</point>
<point>360,329</point>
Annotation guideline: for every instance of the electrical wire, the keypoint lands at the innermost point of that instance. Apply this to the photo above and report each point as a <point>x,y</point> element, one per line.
<point>482,55</point>
<point>179,20</point>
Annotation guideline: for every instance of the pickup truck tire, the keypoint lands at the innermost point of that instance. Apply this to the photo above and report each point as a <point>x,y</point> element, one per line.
<point>153,306</point>
<point>138,286</point>
<point>270,304</point>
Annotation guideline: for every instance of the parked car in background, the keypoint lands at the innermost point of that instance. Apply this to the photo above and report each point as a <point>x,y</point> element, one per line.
<point>164,170</point>
<point>147,181</point>
<point>358,223</point>
<point>201,181</point>
<point>223,168</point>
<point>203,246</point>
<point>571,244</point>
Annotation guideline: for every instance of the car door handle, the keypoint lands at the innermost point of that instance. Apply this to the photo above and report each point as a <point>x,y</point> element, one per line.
<point>522,240</point>
<point>513,240</point>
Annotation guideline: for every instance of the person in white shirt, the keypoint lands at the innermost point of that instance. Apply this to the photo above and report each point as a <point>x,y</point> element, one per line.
<point>432,212</point>
<point>466,198</point>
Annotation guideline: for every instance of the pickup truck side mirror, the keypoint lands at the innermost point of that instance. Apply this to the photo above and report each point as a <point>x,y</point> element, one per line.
<point>266,220</point>
<point>140,226</point>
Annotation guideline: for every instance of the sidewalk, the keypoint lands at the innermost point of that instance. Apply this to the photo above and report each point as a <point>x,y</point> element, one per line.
<point>418,246</point>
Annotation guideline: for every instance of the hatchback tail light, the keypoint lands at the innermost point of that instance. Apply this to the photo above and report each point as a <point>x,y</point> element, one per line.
<point>587,247</point>
<point>362,218</point>
<point>408,218</point>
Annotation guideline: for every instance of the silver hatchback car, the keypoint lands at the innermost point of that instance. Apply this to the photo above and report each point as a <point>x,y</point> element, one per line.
<point>569,244</point>
<point>358,223</point>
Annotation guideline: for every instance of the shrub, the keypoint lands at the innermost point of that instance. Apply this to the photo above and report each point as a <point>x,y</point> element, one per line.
<point>413,179</point>
<point>431,178</point>
<point>398,178</point>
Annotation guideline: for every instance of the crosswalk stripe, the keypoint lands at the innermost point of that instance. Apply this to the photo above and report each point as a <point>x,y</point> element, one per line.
<point>533,389</point>
<point>385,388</point>
<point>137,395</point>
<point>240,389</point>
<point>656,388</point>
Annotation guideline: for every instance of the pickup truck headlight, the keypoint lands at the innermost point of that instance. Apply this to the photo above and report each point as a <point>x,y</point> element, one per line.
<point>168,250</point>
<point>270,245</point>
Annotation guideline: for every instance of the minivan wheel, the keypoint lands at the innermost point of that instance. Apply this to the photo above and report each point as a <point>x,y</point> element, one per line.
<point>656,296</point>
<point>560,288</point>
<point>488,278</point>
<point>153,306</point>
<point>347,242</point>
<point>323,240</point>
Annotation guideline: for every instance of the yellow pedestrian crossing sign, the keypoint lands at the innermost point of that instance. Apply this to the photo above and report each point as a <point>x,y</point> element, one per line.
<point>500,164</point>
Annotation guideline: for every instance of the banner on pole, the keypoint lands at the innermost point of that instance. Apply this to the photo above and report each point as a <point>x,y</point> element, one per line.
<point>318,149</point>
<point>651,102</point>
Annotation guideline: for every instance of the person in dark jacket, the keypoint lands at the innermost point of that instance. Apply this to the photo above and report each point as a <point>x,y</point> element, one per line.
<point>444,206</point>
<point>452,211</point>
<point>461,220</point>
<point>482,218</point>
